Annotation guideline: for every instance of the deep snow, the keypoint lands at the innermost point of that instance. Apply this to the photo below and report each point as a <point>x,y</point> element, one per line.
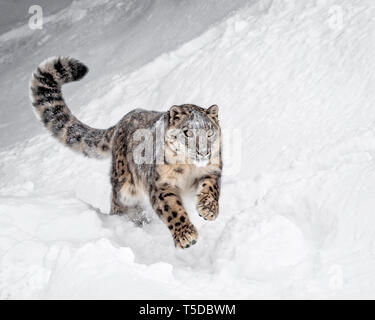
<point>295,87</point>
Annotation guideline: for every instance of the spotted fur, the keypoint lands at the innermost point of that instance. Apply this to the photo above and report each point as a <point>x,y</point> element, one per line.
<point>161,180</point>
<point>52,110</point>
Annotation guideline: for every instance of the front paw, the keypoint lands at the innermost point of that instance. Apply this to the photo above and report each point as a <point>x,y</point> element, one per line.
<point>207,206</point>
<point>185,236</point>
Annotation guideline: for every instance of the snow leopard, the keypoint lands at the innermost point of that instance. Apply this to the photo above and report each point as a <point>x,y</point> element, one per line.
<point>155,156</point>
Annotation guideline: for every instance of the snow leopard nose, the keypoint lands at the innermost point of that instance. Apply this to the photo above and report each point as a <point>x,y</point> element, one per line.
<point>202,147</point>
<point>202,153</point>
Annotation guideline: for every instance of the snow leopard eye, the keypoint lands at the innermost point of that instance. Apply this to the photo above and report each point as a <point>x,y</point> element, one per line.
<point>188,132</point>
<point>210,133</point>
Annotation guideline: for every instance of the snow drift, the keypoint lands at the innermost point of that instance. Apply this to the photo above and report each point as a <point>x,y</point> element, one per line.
<point>294,81</point>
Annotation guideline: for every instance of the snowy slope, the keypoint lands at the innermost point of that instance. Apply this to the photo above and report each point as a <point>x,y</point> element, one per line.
<point>296,94</point>
<point>111,36</point>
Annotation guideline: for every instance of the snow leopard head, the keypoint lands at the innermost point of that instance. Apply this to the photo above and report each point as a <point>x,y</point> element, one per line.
<point>193,134</point>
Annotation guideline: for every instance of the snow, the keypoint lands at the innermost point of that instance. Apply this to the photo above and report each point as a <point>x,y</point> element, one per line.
<point>294,82</point>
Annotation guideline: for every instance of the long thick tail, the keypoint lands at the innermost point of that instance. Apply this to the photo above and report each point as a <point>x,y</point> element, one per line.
<point>49,104</point>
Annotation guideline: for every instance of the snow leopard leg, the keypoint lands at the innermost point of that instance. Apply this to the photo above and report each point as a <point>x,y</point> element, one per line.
<point>208,197</point>
<point>168,205</point>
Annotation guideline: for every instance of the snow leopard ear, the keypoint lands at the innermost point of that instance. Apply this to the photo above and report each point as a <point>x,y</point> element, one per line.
<point>213,111</point>
<point>174,114</point>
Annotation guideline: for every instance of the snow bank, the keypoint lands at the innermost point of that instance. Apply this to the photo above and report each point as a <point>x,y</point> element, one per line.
<point>294,83</point>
